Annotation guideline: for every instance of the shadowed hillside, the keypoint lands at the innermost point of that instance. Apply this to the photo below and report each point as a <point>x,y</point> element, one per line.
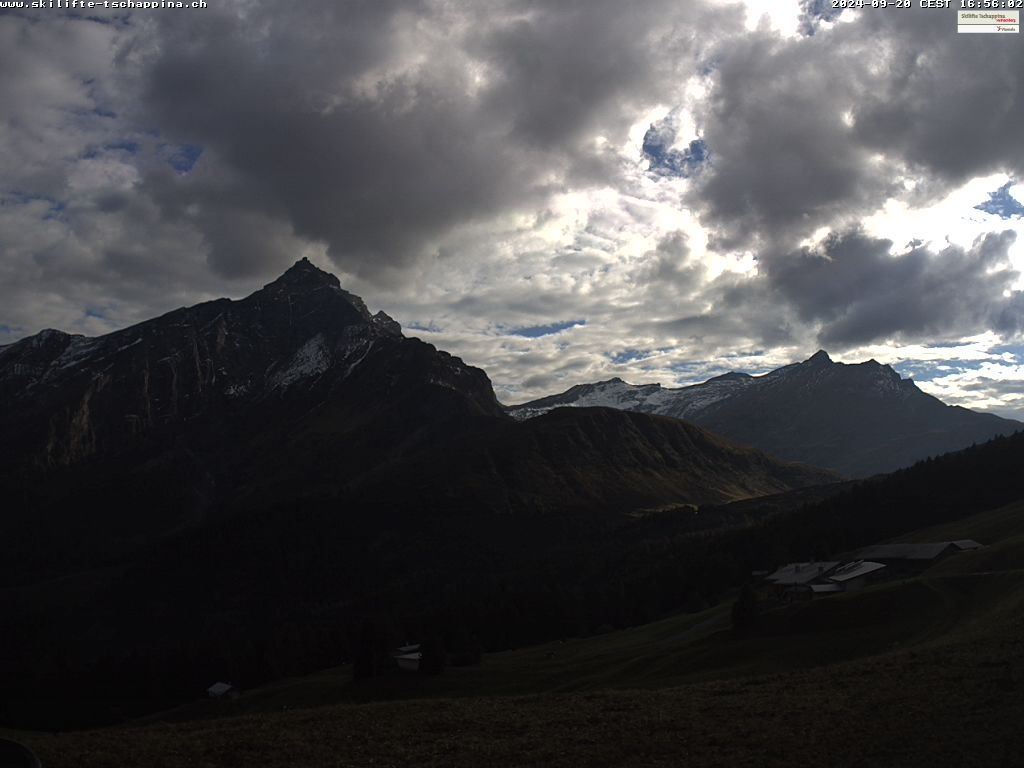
<point>235,488</point>
<point>924,672</point>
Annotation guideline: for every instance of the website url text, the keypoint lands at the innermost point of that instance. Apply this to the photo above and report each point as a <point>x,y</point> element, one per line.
<point>103,4</point>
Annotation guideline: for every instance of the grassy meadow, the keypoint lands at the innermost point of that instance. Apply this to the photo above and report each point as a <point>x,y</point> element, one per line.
<point>920,672</point>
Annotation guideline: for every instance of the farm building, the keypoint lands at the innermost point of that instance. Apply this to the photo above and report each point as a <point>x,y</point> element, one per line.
<point>800,573</point>
<point>856,575</point>
<point>222,691</point>
<point>408,657</point>
<point>802,581</point>
<point>793,581</point>
<point>915,557</point>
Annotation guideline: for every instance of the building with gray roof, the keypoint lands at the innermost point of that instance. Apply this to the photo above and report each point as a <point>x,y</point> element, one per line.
<point>801,573</point>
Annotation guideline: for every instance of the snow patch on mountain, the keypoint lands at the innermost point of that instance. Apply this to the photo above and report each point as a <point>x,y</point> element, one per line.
<point>362,356</point>
<point>684,403</point>
<point>680,402</point>
<point>807,380</point>
<point>311,359</point>
<point>79,348</point>
<point>237,390</point>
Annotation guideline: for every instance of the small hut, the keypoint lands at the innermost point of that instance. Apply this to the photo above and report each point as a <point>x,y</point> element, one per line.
<point>222,691</point>
<point>408,657</point>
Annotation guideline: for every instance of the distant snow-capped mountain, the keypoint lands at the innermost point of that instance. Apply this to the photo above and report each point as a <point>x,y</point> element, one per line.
<point>679,403</point>
<point>855,419</point>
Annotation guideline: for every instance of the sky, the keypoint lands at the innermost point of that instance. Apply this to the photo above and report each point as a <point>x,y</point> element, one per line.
<point>557,191</point>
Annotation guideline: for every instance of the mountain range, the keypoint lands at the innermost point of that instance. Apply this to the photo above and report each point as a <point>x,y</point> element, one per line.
<point>297,391</point>
<point>857,420</point>
<point>235,489</point>
<point>181,494</point>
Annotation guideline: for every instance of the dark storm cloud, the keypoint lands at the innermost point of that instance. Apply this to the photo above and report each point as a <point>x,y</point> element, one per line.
<point>810,131</point>
<point>783,159</point>
<point>379,127</point>
<point>951,104</point>
<point>994,386</point>
<point>173,157</point>
<point>295,137</point>
<point>1009,319</point>
<point>572,66</point>
<point>670,267</point>
<point>246,231</point>
<point>860,293</point>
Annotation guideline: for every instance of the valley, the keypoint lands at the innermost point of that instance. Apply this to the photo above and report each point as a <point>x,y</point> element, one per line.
<point>926,671</point>
<point>276,492</point>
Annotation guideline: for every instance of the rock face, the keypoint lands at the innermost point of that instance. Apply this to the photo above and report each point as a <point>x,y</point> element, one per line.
<point>116,441</point>
<point>858,420</point>
<point>301,338</point>
<point>298,392</point>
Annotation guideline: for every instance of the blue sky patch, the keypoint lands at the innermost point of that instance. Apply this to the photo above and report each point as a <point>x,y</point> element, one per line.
<point>131,147</point>
<point>20,198</point>
<point>118,146</point>
<point>536,331</point>
<point>667,161</point>
<point>630,356</point>
<point>1002,203</point>
<point>925,371</point>
<point>688,370</point>
<point>1017,350</point>
<point>821,9</point>
<point>928,370</point>
<point>56,209</point>
<point>814,11</point>
<point>181,157</point>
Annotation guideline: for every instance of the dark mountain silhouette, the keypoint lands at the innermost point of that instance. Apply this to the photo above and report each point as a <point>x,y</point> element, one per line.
<point>156,427</point>
<point>858,420</point>
<point>225,489</point>
<point>297,391</point>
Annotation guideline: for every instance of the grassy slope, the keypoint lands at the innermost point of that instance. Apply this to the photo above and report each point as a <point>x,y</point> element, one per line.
<point>929,671</point>
<point>990,527</point>
<point>1001,530</point>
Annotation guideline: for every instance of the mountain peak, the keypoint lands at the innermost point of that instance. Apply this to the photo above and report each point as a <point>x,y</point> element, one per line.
<point>731,376</point>
<point>856,418</point>
<point>304,282</point>
<point>303,274</point>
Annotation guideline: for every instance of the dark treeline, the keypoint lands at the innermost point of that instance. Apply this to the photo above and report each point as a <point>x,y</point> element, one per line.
<point>282,591</point>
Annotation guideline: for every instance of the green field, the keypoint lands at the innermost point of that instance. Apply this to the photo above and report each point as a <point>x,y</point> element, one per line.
<point>924,671</point>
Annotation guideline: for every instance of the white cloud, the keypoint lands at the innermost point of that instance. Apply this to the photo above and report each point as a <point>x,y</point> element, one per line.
<point>470,173</point>
<point>992,386</point>
<point>781,16</point>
